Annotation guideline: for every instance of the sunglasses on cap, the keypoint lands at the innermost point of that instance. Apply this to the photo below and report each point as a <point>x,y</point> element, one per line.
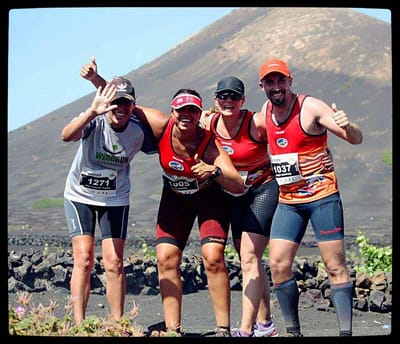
<point>232,95</point>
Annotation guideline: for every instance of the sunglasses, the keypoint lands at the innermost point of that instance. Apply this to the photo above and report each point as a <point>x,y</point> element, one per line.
<point>232,95</point>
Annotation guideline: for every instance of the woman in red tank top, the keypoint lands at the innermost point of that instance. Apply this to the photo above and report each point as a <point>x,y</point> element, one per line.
<point>242,134</point>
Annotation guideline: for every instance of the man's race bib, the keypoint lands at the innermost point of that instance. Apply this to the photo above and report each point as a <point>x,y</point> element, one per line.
<point>183,185</point>
<point>99,182</point>
<point>286,168</point>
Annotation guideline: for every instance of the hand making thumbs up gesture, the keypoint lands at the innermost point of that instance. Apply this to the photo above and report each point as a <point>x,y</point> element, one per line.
<point>340,117</point>
<point>89,70</point>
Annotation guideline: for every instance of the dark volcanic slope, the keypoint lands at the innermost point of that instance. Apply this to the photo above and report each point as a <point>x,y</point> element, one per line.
<point>335,54</point>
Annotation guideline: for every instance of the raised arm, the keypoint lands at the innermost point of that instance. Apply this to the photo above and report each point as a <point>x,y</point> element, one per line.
<point>89,72</point>
<point>336,121</point>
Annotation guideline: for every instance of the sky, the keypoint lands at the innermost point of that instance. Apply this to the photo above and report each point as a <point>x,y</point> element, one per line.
<point>48,46</point>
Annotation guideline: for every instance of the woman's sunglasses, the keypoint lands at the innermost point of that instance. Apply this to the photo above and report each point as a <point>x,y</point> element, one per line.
<point>232,95</point>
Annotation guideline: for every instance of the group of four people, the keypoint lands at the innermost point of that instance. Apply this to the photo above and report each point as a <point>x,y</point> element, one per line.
<point>263,174</point>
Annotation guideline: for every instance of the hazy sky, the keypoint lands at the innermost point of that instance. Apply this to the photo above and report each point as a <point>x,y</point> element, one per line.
<point>48,46</point>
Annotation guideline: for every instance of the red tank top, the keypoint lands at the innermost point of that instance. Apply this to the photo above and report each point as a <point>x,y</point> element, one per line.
<point>302,163</point>
<point>249,156</point>
<point>177,169</point>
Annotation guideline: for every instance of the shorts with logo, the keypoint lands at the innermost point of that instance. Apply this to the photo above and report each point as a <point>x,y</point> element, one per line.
<point>326,215</point>
<point>177,213</point>
<point>81,219</point>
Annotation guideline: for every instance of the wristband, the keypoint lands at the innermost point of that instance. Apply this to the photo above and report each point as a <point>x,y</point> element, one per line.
<point>217,172</point>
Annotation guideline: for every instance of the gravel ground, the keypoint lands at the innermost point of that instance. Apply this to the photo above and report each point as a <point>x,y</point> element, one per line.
<point>198,316</point>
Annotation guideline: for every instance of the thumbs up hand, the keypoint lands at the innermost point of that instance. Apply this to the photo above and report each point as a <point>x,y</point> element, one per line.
<point>202,170</point>
<point>89,70</point>
<point>340,117</point>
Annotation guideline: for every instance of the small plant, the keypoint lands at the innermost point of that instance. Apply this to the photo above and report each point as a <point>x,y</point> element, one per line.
<point>147,250</point>
<point>374,259</point>
<point>387,158</point>
<point>230,250</point>
<point>30,320</point>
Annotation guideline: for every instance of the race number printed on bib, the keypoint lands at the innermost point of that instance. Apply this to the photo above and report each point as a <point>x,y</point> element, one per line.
<point>286,168</point>
<point>183,185</point>
<point>99,182</point>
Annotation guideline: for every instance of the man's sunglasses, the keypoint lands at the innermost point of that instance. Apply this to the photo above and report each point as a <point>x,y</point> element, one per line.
<point>232,95</point>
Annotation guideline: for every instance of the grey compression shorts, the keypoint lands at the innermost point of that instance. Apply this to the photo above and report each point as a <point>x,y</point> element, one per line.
<point>81,219</point>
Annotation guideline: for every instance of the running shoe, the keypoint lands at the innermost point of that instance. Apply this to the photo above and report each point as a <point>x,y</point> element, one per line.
<point>239,333</point>
<point>265,330</point>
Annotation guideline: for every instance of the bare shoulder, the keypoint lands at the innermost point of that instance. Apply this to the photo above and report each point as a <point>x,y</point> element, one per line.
<point>259,118</point>
<point>205,118</point>
<point>259,126</point>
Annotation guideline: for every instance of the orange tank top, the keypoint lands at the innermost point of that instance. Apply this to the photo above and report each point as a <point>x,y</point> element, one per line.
<point>302,163</point>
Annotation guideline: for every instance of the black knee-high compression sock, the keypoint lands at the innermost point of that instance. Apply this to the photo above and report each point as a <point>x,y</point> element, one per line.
<point>342,301</point>
<point>287,294</point>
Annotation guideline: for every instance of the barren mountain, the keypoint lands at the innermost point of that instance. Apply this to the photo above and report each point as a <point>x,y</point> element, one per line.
<point>335,54</point>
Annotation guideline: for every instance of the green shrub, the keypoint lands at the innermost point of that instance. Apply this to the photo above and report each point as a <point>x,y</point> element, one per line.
<point>373,259</point>
<point>147,250</point>
<point>48,203</point>
<point>387,158</point>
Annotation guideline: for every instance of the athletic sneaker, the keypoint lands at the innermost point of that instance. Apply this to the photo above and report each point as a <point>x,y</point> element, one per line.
<point>293,331</point>
<point>267,330</point>
<point>239,333</point>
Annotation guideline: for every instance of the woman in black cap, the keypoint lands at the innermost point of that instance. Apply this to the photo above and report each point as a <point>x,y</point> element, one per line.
<point>242,134</point>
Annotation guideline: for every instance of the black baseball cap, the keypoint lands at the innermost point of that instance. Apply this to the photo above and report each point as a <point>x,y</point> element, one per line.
<point>230,83</point>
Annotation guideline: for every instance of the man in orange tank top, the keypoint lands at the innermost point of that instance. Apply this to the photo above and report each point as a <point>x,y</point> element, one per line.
<point>297,127</point>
